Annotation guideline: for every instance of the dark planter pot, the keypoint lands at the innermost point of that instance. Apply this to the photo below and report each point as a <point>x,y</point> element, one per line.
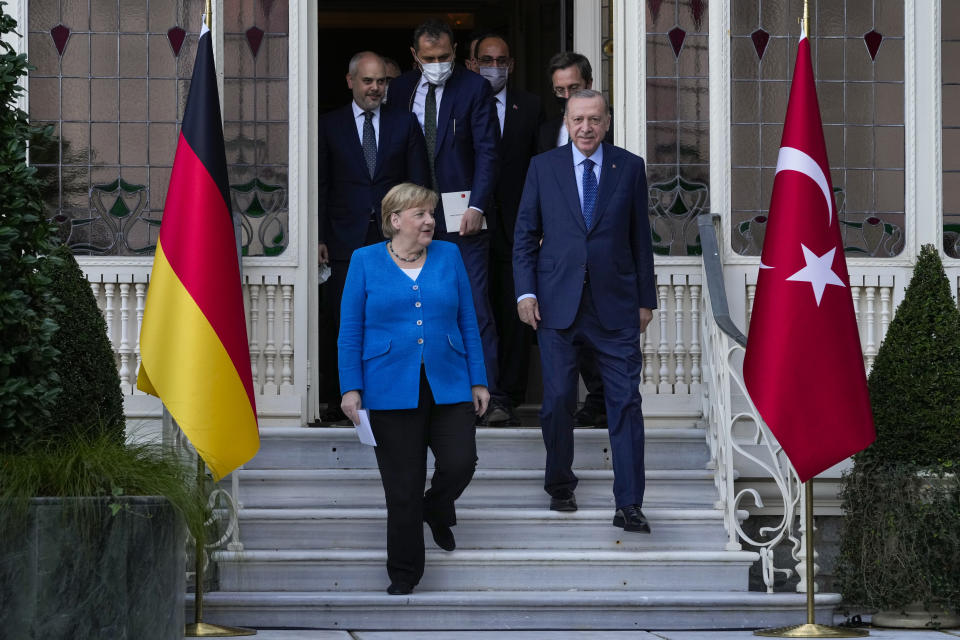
<point>71,568</point>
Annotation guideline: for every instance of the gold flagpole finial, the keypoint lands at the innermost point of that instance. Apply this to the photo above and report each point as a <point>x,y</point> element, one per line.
<point>209,15</point>
<point>806,17</point>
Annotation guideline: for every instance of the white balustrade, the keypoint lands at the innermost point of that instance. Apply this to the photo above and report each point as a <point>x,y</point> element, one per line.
<point>121,297</point>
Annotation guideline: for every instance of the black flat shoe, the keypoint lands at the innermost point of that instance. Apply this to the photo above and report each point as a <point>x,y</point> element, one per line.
<point>631,518</point>
<point>587,418</point>
<point>563,501</point>
<point>399,588</point>
<point>443,536</point>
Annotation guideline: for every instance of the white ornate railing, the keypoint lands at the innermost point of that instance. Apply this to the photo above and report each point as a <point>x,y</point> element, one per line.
<point>671,344</point>
<point>735,432</point>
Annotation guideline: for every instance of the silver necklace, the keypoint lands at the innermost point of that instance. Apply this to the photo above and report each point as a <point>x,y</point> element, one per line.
<point>401,258</point>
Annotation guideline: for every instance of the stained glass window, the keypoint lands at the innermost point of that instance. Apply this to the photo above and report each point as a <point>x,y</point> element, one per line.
<point>857,48</point>
<point>112,77</point>
<point>950,35</point>
<point>678,123</point>
<point>256,121</point>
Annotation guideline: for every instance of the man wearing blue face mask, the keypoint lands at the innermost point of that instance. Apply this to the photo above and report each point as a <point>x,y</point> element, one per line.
<point>455,109</point>
<point>519,115</point>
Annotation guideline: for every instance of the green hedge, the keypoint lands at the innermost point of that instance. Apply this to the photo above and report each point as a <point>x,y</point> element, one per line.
<point>28,382</point>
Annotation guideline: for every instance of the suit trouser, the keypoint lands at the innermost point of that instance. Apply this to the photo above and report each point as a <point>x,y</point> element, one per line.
<point>620,364</point>
<point>403,436</point>
<point>475,251</point>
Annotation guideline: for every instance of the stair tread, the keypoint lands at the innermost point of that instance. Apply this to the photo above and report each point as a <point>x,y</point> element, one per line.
<point>473,555</point>
<point>477,513</point>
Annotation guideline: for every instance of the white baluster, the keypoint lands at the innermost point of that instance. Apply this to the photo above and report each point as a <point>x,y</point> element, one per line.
<point>125,336</point>
<point>855,292</point>
<point>286,345</point>
<point>679,347</point>
<point>751,296</point>
<point>694,337</point>
<point>141,291</point>
<point>806,528</point>
<point>108,289</point>
<point>869,319</point>
<point>663,350</point>
<point>886,294</point>
<point>254,333</point>
<point>95,287</point>
<point>270,380</point>
<point>648,385</point>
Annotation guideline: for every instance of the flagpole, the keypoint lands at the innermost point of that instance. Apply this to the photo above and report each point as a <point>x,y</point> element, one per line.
<point>199,628</point>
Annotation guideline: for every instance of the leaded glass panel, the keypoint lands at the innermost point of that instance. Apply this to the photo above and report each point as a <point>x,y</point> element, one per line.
<point>678,123</point>
<point>857,48</point>
<point>950,35</point>
<point>256,122</point>
<point>112,77</point>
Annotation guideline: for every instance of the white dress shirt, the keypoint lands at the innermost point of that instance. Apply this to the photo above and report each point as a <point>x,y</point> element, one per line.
<point>578,159</point>
<point>563,136</point>
<point>501,98</point>
<point>359,119</point>
<point>420,99</point>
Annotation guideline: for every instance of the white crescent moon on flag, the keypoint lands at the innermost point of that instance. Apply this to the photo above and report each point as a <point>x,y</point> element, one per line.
<point>791,159</point>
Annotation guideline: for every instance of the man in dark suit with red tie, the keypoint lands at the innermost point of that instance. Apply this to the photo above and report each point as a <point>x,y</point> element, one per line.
<point>519,115</point>
<point>364,150</point>
<point>455,109</point>
<point>583,265</point>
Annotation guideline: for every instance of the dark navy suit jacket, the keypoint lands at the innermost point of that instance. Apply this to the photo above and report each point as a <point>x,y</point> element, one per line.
<point>467,135</point>
<point>347,196</point>
<point>616,251</point>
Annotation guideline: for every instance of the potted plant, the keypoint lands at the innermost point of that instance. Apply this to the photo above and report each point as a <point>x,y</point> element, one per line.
<point>900,542</point>
<point>91,528</point>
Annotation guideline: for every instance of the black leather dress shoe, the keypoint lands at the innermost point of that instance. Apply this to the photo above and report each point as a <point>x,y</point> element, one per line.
<point>399,588</point>
<point>630,518</point>
<point>443,536</point>
<point>563,501</point>
<point>588,418</point>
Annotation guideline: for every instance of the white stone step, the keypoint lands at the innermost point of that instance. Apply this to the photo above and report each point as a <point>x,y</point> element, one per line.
<point>484,528</point>
<point>560,610</point>
<point>306,488</point>
<point>520,448</point>
<point>489,569</point>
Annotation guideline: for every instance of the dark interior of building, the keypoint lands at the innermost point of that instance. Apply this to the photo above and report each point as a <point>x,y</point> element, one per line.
<point>535,30</point>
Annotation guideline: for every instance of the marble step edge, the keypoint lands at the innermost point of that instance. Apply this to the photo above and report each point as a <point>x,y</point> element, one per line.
<point>320,475</point>
<point>489,433</point>
<point>576,598</point>
<point>467,514</point>
<point>512,557</point>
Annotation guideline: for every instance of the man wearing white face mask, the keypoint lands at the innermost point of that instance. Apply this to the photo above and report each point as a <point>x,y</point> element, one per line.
<point>519,114</point>
<point>455,108</point>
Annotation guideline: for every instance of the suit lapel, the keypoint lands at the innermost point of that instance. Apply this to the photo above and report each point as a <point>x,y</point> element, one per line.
<point>352,144</point>
<point>446,106</point>
<point>567,181</point>
<point>609,178</point>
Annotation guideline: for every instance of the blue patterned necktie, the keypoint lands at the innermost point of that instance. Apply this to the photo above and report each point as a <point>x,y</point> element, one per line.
<point>589,192</point>
<point>369,143</point>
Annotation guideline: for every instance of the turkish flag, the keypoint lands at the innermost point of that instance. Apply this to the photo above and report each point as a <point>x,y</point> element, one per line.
<point>804,367</point>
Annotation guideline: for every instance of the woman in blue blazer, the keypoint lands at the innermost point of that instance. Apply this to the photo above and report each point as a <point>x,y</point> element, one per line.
<point>410,352</point>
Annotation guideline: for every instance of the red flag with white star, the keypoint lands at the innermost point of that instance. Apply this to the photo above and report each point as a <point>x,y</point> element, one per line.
<point>804,367</point>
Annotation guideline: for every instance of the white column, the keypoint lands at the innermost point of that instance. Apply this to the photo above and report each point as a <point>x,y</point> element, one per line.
<point>629,74</point>
<point>720,167</point>
<point>586,35</point>
<point>922,117</point>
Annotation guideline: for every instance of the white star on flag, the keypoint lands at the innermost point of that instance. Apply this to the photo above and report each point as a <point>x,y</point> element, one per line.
<point>818,272</point>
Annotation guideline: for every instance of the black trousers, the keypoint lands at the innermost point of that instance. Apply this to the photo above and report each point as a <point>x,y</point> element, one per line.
<point>403,436</point>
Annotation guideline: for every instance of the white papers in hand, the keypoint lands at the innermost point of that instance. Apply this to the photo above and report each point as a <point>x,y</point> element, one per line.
<point>364,432</point>
<point>455,203</point>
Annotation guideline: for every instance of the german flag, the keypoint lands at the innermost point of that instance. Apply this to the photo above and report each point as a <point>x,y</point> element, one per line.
<point>193,342</point>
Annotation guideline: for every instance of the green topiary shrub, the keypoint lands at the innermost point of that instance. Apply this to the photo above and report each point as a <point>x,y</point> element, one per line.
<point>900,541</point>
<point>90,399</point>
<point>28,381</point>
<point>915,380</point>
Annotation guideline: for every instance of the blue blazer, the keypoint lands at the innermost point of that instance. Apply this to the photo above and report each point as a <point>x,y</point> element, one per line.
<point>616,250</point>
<point>389,324</point>
<point>347,195</point>
<point>467,135</point>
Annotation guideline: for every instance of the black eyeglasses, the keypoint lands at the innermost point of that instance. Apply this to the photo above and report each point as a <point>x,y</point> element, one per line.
<point>488,61</point>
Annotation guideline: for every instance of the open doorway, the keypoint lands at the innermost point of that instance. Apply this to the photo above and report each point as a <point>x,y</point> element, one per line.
<point>535,30</point>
